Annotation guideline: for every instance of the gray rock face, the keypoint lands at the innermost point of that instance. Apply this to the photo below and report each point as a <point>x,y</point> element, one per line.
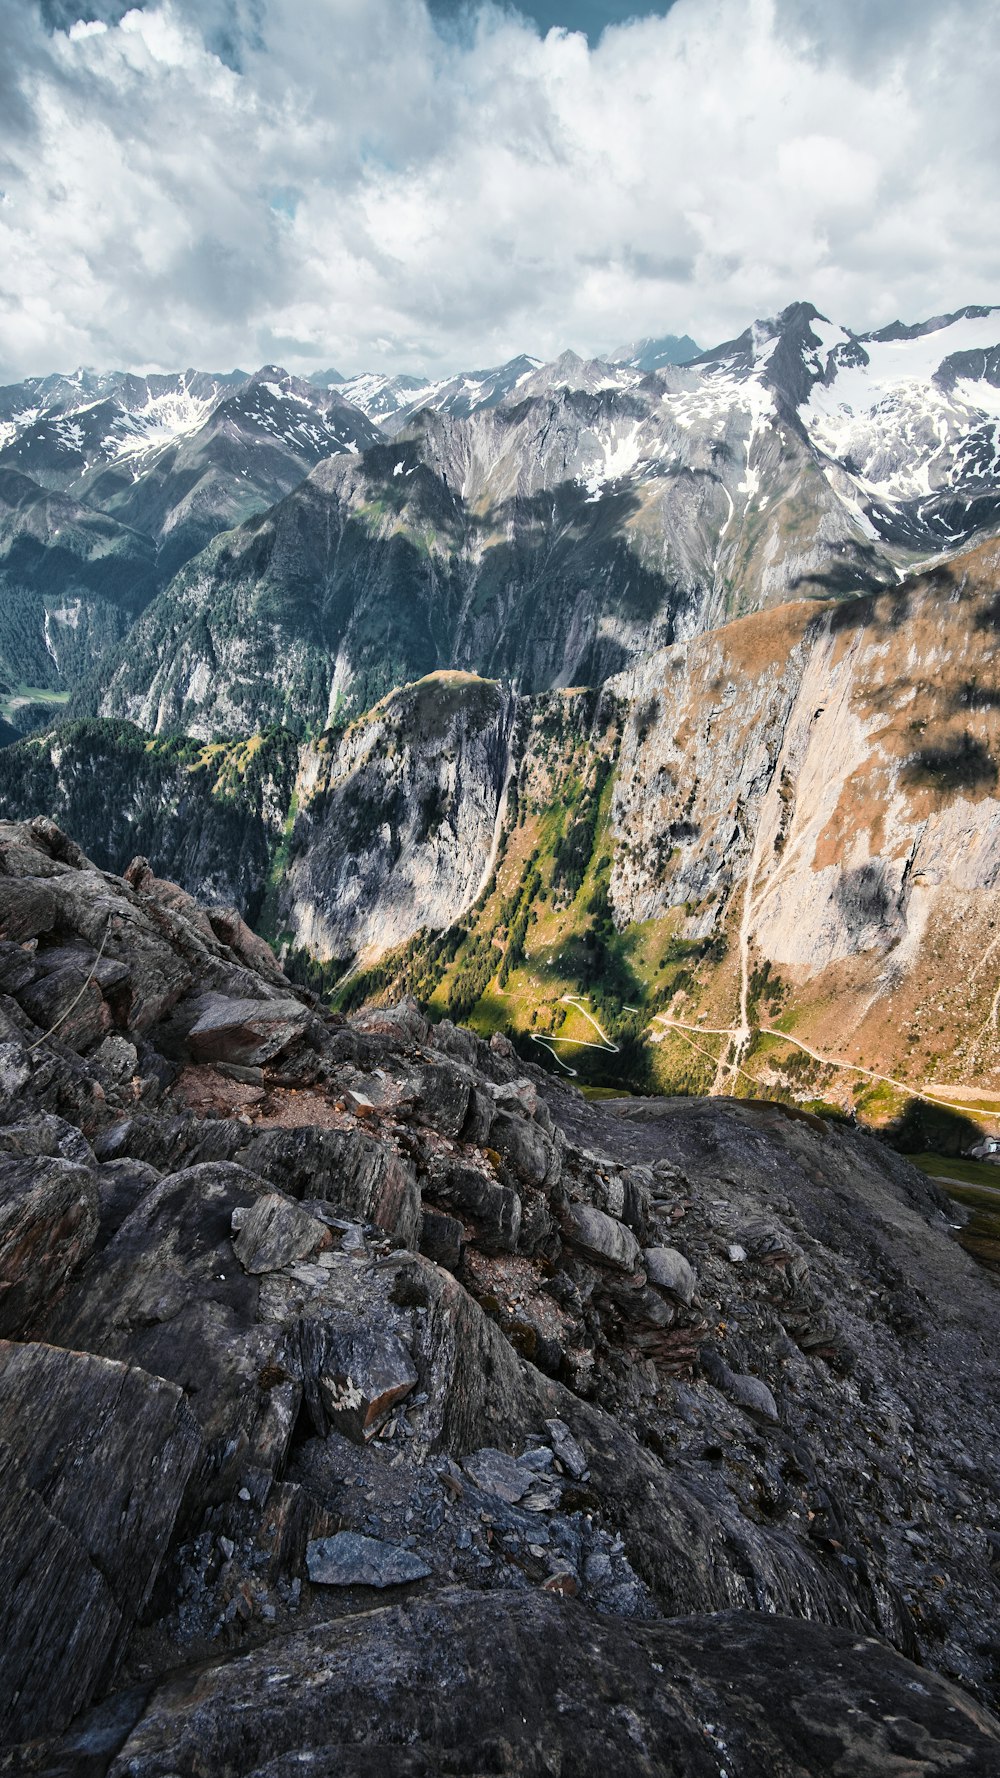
<point>635,1699</point>
<point>475,1191</point>
<point>48,1224</point>
<point>354,1375</point>
<point>351,1561</point>
<point>364,1177</point>
<point>525,1146</point>
<point>441,1239</point>
<point>95,1458</point>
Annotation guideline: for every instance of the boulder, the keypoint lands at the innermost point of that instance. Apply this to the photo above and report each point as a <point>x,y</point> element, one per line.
<point>276,1232</point>
<point>496,1473</point>
<point>528,1151</point>
<point>441,1239</point>
<point>670,1271</point>
<point>479,1118</point>
<point>752,1394</point>
<point>245,1031</point>
<point>15,1073</point>
<point>477,1193</point>
<point>68,1003</point>
<point>455,1041</point>
<point>441,1094</point>
<point>566,1449</point>
<point>353,1373</point>
<point>231,929</point>
<point>17,966</point>
<point>352,1169</point>
<point>600,1237</point>
<point>45,1134</point>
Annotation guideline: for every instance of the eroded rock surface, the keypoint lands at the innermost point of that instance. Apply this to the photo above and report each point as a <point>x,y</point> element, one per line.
<point>670,1421</point>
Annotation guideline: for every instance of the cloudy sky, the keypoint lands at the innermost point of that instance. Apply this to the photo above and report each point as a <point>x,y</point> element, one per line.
<point>434,184</point>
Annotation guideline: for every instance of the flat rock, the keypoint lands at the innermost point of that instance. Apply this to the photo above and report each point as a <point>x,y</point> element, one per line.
<point>670,1271</point>
<point>742,1693</point>
<point>601,1237</point>
<point>350,1560</point>
<point>498,1474</point>
<point>275,1232</point>
<point>245,1031</point>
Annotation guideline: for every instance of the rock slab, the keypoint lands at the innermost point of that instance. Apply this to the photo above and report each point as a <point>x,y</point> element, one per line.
<point>350,1560</point>
<point>94,1460</point>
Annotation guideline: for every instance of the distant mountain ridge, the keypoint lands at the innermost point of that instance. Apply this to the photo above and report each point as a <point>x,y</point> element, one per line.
<point>551,525</point>
<point>546,522</point>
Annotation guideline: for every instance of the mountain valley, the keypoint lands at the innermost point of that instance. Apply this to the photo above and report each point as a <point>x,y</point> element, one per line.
<point>601,704</point>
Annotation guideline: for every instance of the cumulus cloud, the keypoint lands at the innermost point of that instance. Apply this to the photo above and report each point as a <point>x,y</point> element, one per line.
<point>353,182</point>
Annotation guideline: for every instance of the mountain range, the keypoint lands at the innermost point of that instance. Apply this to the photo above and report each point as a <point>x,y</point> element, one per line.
<point>663,683</point>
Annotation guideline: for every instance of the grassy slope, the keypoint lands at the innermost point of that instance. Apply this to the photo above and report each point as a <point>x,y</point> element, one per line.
<point>543,931</point>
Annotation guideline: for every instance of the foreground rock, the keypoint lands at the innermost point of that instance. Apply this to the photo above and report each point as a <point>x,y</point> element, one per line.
<point>390,1691</point>
<point>676,1412</point>
<point>94,1459</point>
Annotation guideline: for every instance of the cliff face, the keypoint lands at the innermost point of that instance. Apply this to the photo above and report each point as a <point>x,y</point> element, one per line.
<point>72,580</point>
<point>335,1352</point>
<point>803,800</point>
<point>110,483</point>
<point>555,525</point>
<point>806,797</point>
<point>397,822</point>
<point>210,815</point>
<point>824,788</point>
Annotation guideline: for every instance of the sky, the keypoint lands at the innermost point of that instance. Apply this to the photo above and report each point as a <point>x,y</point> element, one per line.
<point>432,185</point>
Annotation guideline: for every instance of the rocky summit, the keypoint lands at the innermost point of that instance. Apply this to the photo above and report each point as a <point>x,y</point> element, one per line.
<point>371,1403</point>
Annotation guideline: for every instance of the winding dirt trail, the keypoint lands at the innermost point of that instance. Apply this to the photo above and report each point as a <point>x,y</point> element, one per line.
<point>581,1043</point>
<point>927,1091</point>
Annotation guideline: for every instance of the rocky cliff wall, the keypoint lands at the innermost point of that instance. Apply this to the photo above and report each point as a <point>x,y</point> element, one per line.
<point>397,820</point>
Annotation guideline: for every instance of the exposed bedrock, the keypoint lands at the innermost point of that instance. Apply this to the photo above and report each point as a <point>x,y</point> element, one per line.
<point>376,1400</point>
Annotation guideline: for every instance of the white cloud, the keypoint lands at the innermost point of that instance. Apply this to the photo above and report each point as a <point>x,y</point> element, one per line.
<point>350,186</point>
